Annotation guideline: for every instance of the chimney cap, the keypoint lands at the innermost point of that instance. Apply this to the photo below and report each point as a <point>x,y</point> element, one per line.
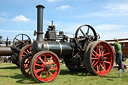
<point>40,6</point>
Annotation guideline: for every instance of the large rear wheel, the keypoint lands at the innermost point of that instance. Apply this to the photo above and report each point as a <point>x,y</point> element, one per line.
<point>99,58</point>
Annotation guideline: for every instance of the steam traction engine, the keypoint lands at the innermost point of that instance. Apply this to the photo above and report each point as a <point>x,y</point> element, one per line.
<point>20,41</point>
<point>82,53</point>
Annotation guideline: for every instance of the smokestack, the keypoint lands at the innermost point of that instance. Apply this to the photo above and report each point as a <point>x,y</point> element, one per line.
<point>40,22</point>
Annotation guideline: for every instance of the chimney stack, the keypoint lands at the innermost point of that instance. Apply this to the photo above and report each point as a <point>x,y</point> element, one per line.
<point>40,22</point>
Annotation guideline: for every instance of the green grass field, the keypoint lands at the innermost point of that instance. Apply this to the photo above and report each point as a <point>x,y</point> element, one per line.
<point>10,74</point>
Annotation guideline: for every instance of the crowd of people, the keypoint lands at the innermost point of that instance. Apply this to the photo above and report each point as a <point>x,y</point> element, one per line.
<point>5,59</point>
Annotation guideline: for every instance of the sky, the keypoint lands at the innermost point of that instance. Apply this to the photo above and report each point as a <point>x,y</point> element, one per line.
<point>108,17</point>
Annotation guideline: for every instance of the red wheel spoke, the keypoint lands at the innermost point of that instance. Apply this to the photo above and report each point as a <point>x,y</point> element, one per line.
<point>95,64</point>
<point>38,64</point>
<point>45,59</point>
<point>42,60</point>
<point>97,47</point>
<point>25,52</point>
<point>27,67</point>
<point>29,70</point>
<point>104,66</point>
<point>50,60</point>
<point>102,53</point>
<point>107,62</point>
<point>102,48</point>
<point>28,51</point>
<point>95,52</point>
<point>105,57</point>
<point>29,60</point>
<point>23,55</point>
<point>53,68</point>
<point>50,73</point>
<point>39,70</point>
<point>52,63</point>
<point>41,73</point>
<point>94,58</point>
<point>94,55</point>
<point>99,51</point>
<point>99,66</point>
<point>106,54</point>
<point>46,74</point>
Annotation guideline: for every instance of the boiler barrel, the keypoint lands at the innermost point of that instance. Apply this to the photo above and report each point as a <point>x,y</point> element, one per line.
<point>5,51</point>
<point>62,49</point>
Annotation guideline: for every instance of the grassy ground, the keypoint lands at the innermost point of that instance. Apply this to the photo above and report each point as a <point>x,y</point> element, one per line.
<point>10,75</point>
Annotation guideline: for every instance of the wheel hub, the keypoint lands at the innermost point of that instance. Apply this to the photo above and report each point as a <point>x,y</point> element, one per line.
<point>101,58</point>
<point>47,66</point>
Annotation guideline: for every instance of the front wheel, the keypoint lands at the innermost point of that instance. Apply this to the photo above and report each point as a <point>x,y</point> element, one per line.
<point>25,65</point>
<point>45,66</point>
<point>24,51</point>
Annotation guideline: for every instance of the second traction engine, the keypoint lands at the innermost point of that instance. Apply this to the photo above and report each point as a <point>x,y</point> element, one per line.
<point>82,53</point>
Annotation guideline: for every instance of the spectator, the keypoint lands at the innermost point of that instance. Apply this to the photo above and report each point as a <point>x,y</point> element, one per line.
<point>118,55</point>
<point>5,59</point>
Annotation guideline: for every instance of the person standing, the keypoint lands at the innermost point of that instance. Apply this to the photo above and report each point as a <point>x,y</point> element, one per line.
<point>118,55</point>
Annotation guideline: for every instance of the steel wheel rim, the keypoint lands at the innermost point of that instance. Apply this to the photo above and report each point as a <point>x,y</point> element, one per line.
<point>25,52</point>
<point>102,58</point>
<point>43,72</point>
<point>26,66</point>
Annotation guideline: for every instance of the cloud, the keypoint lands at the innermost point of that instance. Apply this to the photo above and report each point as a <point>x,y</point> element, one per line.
<point>52,1</point>
<point>109,10</point>
<point>121,7</point>
<point>1,19</point>
<point>63,7</point>
<point>20,18</point>
<point>66,0</point>
<point>4,14</point>
<point>109,31</point>
<point>108,27</point>
<point>117,35</point>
